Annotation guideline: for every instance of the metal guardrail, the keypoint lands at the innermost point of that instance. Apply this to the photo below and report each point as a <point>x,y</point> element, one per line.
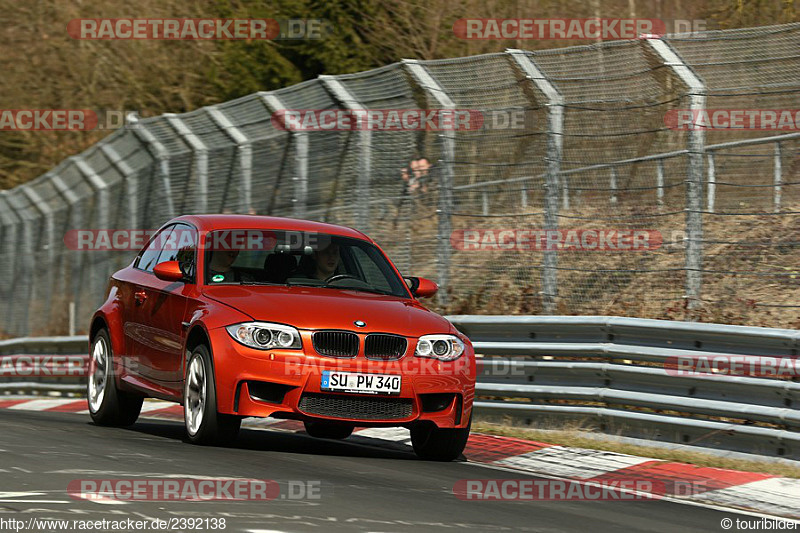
<point>20,374</point>
<point>604,373</point>
<point>612,373</point>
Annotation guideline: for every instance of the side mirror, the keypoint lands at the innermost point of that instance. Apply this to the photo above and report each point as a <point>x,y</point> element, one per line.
<point>169,271</point>
<point>421,287</point>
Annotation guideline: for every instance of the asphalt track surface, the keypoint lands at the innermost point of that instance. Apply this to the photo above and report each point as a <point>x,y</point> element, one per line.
<point>363,488</point>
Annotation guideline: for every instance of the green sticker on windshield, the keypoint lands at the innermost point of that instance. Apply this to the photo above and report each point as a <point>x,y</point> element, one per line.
<point>218,278</point>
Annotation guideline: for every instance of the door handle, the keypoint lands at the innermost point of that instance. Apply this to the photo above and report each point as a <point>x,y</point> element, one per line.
<point>139,297</point>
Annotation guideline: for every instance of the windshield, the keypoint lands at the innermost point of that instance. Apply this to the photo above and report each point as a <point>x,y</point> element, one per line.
<point>297,258</point>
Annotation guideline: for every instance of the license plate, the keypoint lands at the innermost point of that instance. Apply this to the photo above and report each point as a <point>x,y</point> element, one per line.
<point>361,383</point>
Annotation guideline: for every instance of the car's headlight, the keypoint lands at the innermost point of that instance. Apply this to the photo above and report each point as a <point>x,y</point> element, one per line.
<point>266,336</point>
<point>442,347</point>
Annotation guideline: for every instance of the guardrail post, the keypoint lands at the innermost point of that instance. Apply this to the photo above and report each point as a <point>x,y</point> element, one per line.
<point>200,151</point>
<point>778,178</point>
<point>364,176</point>
<point>446,176</point>
<point>300,178</point>
<point>555,137</point>
<point>160,153</point>
<point>244,150</point>
<point>694,180</point>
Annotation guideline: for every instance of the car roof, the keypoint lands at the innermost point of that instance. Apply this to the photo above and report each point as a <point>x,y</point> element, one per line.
<point>205,223</point>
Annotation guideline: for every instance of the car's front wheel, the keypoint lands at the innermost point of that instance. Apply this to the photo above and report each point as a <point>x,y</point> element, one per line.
<point>328,430</point>
<point>437,444</point>
<point>108,406</point>
<point>204,425</point>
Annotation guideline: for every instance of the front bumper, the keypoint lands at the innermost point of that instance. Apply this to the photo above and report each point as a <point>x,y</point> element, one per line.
<point>286,384</point>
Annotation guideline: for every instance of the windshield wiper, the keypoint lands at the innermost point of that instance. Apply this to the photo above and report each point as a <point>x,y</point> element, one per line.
<point>341,287</point>
<point>254,282</point>
<point>301,284</point>
<point>362,289</point>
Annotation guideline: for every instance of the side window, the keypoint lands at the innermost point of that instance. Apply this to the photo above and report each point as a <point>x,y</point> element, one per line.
<point>180,245</point>
<point>149,258</point>
<point>371,271</point>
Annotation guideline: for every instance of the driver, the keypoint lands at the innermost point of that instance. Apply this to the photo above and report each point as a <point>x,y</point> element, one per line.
<point>326,261</point>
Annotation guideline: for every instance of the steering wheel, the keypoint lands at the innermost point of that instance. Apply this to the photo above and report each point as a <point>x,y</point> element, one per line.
<point>337,277</point>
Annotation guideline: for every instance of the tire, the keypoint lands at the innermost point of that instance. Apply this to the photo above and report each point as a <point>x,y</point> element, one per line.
<point>108,406</point>
<point>328,430</point>
<point>434,444</point>
<point>204,425</point>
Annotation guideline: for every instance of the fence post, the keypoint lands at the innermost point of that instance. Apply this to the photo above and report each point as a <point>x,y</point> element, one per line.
<point>49,237</point>
<point>711,193</point>
<point>660,182</point>
<point>364,176</point>
<point>24,269</point>
<point>778,177</point>
<point>131,183</point>
<point>102,208</point>
<point>200,152</point>
<point>694,180</point>
<point>446,176</point>
<point>14,251</point>
<point>76,217</point>
<point>300,179</point>
<point>613,186</point>
<point>160,153</point>
<point>244,150</point>
<point>555,127</point>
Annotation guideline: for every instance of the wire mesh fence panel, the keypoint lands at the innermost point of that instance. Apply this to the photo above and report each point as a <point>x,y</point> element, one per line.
<point>750,219</point>
<point>583,180</point>
<point>384,174</point>
<point>331,157</point>
<point>498,181</point>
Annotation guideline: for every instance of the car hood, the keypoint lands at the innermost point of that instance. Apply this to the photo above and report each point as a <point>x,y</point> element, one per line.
<point>316,308</point>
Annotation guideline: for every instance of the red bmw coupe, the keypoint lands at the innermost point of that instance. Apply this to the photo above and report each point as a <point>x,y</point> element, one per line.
<point>235,316</point>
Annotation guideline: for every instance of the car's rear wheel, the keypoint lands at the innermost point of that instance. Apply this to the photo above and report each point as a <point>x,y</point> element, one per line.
<point>328,430</point>
<point>108,406</point>
<point>204,425</point>
<point>437,444</point>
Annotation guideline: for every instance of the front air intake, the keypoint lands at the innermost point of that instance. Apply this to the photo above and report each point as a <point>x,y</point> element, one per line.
<point>335,343</point>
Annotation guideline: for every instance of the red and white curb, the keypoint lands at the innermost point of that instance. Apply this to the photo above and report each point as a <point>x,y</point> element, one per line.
<point>763,493</point>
